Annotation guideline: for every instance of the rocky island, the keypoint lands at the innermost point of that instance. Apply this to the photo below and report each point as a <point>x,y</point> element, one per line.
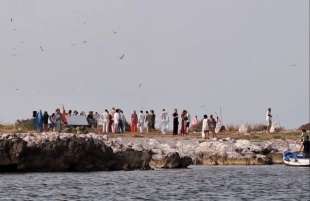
<point>50,152</point>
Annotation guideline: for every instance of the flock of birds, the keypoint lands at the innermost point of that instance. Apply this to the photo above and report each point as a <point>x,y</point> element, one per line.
<point>42,49</point>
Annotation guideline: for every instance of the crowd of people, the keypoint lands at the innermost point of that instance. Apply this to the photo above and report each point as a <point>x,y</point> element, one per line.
<point>114,121</point>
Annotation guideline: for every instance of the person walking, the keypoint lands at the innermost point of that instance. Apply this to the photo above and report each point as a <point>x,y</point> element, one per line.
<point>175,117</point>
<point>141,120</point>
<point>164,117</point>
<point>134,122</point>
<point>205,127</point>
<point>269,119</point>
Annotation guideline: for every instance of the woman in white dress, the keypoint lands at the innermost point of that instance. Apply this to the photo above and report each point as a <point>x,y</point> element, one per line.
<point>141,120</point>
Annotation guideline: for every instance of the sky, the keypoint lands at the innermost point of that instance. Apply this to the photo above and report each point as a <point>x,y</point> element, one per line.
<point>235,56</point>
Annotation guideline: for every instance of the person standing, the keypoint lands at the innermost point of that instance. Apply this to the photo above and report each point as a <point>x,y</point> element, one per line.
<point>45,121</point>
<point>105,121</point>
<point>183,122</point>
<point>164,121</point>
<point>188,122</point>
<point>269,119</point>
<point>205,127</point>
<point>175,116</point>
<point>53,121</point>
<point>58,119</point>
<point>148,121</point>
<point>96,120</point>
<point>116,119</point>
<point>113,111</point>
<point>34,120</point>
<point>134,122</point>
<point>153,119</point>
<point>212,125</point>
<point>64,116</point>
<point>141,120</point>
<point>195,121</point>
<point>124,122</point>
<point>40,122</point>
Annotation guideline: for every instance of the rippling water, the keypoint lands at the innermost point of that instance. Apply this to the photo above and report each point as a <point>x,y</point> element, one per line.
<point>195,183</point>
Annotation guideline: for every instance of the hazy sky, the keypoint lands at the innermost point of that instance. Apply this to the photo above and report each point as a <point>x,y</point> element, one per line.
<point>241,55</point>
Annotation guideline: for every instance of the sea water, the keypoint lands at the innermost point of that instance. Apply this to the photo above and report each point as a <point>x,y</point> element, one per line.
<point>277,182</point>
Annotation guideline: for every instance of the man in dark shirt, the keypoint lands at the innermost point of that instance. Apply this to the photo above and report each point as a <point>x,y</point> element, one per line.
<point>45,121</point>
<point>175,122</point>
<point>306,147</point>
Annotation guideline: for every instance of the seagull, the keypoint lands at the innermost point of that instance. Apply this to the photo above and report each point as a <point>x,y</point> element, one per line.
<point>140,85</point>
<point>11,19</point>
<point>115,32</point>
<point>41,48</point>
<point>16,89</point>
<point>84,41</point>
<point>122,57</point>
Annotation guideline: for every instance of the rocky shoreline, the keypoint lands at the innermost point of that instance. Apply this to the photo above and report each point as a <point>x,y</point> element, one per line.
<point>51,152</point>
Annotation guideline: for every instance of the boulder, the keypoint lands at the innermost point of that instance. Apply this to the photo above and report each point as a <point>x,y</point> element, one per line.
<point>243,129</point>
<point>171,160</point>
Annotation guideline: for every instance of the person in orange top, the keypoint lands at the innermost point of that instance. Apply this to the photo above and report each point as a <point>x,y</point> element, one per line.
<point>64,116</point>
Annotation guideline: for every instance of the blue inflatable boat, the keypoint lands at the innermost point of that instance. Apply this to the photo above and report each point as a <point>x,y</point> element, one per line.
<point>295,159</point>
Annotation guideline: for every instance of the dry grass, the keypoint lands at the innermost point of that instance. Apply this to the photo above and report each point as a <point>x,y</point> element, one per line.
<point>231,132</point>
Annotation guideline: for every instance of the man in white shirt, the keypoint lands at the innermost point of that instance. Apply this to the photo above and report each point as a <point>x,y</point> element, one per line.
<point>205,127</point>
<point>141,120</point>
<point>123,120</point>
<point>116,119</point>
<point>269,119</point>
<point>105,121</point>
<point>164,117</point>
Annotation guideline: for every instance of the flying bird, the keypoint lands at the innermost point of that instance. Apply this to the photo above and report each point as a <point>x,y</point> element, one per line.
<point>84,41</point>
<point>11,19</point>
<point>122,57</point>
<point>140,85</point>
<point>41,48</point>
